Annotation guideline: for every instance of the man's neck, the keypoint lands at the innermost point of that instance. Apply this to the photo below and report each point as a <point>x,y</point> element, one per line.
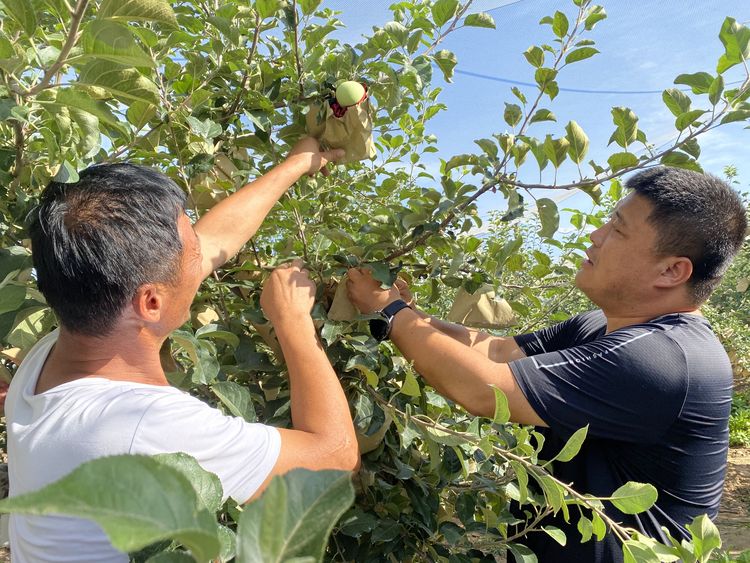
<point>617,320</point>
<point>126,354</point>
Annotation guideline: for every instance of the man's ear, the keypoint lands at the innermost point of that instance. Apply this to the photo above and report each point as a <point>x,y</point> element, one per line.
<point>148,302</point>
<point>676,271</point>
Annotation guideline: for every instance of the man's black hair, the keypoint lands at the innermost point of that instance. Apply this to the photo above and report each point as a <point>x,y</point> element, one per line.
<point>95,241</point>
<point>697,216</point>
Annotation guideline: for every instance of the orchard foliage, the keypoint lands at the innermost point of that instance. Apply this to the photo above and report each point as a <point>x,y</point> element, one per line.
<point>213,94</point>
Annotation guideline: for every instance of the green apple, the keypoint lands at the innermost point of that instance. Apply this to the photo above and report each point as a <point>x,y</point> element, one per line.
<point>349,93</point>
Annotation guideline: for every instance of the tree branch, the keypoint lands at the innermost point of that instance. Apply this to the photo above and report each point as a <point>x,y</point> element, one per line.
<point>451,28</point>
<point>296,51</point>
<point>70,42</point>
<point>232,109</point>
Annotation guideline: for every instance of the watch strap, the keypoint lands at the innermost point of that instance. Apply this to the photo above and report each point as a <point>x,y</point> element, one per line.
<point>390,310</point>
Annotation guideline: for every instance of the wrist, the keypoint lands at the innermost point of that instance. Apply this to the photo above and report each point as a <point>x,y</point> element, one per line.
<point>291,322</point>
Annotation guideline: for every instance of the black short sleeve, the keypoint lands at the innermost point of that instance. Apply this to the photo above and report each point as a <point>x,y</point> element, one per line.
<point>571,332</point>
<point>628,385</point>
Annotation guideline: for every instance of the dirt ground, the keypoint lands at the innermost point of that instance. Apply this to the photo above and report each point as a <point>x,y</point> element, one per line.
<point>734,515</point>
<point>733,520</point>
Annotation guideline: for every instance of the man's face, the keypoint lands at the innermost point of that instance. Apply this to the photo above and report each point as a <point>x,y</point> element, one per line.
<point>190,276</point>
<point>622,265</point>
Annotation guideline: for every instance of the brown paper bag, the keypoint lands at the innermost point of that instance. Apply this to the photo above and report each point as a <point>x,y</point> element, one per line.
<point>351,132</point>
<point>341,308</point>
<point>481,309</point>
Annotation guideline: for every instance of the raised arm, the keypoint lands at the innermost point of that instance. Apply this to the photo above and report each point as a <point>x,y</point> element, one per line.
<point>496,348</point>
<point>323,436</point>
<point>456,370</point>
<point>225,229</point>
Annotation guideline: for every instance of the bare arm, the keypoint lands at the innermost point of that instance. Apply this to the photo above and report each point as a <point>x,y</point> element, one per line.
<point>225,229</point>
<point>497,348</point>
<point>460,372</point>
<point>323,436</point>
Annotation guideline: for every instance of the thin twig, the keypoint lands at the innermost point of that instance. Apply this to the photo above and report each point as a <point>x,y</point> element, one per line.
<point>245,75</point>
<point>70,42</point>
<point>451,28</point>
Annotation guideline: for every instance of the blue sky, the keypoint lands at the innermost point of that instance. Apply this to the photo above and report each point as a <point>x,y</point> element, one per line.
<point>644,45</point>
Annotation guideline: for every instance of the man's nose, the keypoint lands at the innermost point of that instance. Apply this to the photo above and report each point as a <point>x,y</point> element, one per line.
<point>598,235</point>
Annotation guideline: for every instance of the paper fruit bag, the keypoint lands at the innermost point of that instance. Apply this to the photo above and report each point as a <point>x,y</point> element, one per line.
<point>351,131</point>
<point>481,309</point>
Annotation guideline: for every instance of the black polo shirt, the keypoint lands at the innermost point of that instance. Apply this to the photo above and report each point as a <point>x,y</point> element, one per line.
<point>656,397</point>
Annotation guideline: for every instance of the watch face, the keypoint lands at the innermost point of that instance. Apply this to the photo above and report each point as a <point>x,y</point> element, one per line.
<point>379,329</point>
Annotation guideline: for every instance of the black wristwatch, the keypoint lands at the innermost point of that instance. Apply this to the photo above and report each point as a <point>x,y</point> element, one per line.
<point>381,328</point>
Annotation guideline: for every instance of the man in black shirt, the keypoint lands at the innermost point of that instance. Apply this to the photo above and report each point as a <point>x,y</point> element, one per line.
<point>645,372</point>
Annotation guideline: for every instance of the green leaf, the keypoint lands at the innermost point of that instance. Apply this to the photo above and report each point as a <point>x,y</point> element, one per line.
<point>481,19</point>
<point>90,137</point>
<point>410,386</point>
<point>627,126</point>
<point>137,501</point>
<point>705,535</point>
<point>691,147</point>
<point>677,159</point>
<point>123,83</point>
<point>677,102</point>
<point>443,11</point>
<point>621,160</point>
<point>580,54</point>
<point>736,40</point>
<point>112,41</point>
<point>573,445</point>
<point>309,6</point>
<point>715,90</point>
<point>446,61</point>
<point>171,557</point>
<point>688,118</point>
<point>502,410</point>
<point>522,476</point>
<point>597,14</point>
<point>11,297</point>
<point>512,114</point>
<point>23,12</point>
<point>560,24</point>
<point>294,516</point>
<point>205,484</point>
<point>267,8</point>
<point>138,10</point>
<point>552,491</point>
<point>76,98</point>
<point>461,160</point>
<point>521,553</point>
<point>236,398</point>
<point>66,174</point>
<point>736,115</point>
<point>383,273</point>
<point>585,528</point>
<point>556,150</point>
<point>579,142</point>
<point>637,552</point>
<point>205,364</point>
<point>633,497</point>
<point>549,217</point>
<point>699,82</point>
<point>598,526</point>
<point>556,534</point>
<point>535,56</point>
<point>542,115</point>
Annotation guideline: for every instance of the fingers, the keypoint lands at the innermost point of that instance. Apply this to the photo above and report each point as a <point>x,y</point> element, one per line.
<point>334,155</point>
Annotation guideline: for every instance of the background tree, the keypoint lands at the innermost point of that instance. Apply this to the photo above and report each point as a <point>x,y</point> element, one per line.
<point>212,94</point>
